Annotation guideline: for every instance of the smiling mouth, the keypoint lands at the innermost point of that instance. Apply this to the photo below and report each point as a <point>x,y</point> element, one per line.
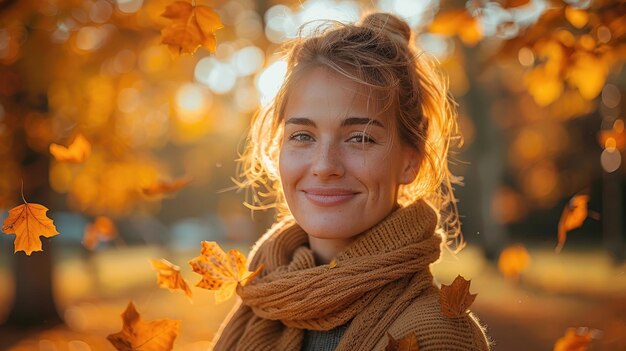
<point>329,197</point>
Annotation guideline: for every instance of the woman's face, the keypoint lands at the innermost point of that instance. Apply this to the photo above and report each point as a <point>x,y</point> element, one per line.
<point>340,164</point>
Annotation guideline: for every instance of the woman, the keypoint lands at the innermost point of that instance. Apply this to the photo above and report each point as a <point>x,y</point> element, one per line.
<point>354,148</point>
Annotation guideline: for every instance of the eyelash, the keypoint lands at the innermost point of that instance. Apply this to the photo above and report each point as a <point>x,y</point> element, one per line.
<point>363,138</point>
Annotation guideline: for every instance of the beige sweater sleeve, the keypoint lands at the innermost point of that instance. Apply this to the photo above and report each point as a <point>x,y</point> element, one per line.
<point>436,332</point>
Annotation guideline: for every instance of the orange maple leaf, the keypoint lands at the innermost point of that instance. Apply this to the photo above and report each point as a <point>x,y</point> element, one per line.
<point>102,229</point>
<point>192,26</point>
<point>168,276</point>
<point>137,335</point>
<point>76,152</point>
<point>28,222</point>
<point>221,271</point>
<point>407,343</point>
<point>575,339</point>
<point>455,298</point>
<point>572,217</point>
<point>513,260</point>
<point>162,188</point>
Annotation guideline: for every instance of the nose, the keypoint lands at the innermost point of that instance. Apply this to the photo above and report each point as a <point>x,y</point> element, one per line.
<point>327,162</point>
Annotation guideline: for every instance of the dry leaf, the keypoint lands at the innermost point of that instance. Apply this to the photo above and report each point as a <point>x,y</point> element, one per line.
<point>137,335</point>
<point>168,276</point>
<point>332,264</point>
<point>28,222</point>
<point>163,188</point>
<point>458,22</point>
<point>575,339</point>
<point>407,343</point>
<point>192,26</point>
<point>76,152</point>
<point>572,217</point>
<point>455,299</point>
<point>102,229</point>
<point>513,261</point>
<point>221,271</point>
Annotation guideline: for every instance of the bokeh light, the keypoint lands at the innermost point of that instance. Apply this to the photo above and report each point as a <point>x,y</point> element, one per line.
<point>192,102</point>
<point>270,80</point>
<point>90,38</point>
<point>220,77</point>
<point>611,160</point>
<point>129,6</point>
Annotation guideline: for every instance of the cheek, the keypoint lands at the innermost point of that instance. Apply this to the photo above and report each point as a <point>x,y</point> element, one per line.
<point>289,168</point>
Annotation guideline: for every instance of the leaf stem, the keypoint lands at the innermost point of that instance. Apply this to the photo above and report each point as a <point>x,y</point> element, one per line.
<point>22,190</point>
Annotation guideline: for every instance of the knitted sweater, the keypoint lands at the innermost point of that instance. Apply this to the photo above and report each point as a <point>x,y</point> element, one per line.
<point>380,285</point>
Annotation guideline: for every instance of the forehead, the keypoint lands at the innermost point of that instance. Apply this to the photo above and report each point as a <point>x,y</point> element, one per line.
<point>320,92</point>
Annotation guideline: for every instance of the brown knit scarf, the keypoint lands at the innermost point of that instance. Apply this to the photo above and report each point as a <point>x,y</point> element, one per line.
<point>374,280</point>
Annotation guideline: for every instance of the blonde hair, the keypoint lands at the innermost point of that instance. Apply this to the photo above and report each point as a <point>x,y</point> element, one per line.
<point>378,53</point>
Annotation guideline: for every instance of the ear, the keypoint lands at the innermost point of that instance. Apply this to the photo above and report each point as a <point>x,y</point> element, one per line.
<point>411,162</point>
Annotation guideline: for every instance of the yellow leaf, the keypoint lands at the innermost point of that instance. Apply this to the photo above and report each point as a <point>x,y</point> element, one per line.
<point>455,298</point>
<point>28,222</point>
<point>137,335</point>
<point>76,152</point>
<point>332,264</point>
<point>513,260</point>
<point>221,271</point>
<point>572,217</point>
<point>168,276</point>
<point>192,26</point>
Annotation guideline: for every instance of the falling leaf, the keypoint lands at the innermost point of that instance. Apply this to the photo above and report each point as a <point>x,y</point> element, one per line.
<point>575,339</point>
<point>102,229</point>
<point>168,276</point>
<point>28,222</point>
<point>221,271</point>
<point>162,188</point>
<point>137,335</point>
<point>76,152</point>
<point>513,261</point>
<point>332,264</point>
<point>192,26</point>
<point>455,298</point>
<point>407,343</point>
<point>458,22</point>
<point>572,217</point>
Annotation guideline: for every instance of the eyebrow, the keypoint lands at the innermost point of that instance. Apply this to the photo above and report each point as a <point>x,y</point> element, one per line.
<point>350,121</point>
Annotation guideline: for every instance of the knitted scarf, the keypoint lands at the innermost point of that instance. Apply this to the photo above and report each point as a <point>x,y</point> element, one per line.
<point>375,278</point>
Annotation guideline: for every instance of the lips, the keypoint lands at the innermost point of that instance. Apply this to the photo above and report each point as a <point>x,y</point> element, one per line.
<point>329,196</point>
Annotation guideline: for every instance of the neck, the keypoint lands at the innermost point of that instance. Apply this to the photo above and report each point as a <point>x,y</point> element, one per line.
<point>325,250</point>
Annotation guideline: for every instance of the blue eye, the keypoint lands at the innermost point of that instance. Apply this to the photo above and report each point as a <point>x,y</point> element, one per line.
<point>301,137</point>
<point>361,138</point>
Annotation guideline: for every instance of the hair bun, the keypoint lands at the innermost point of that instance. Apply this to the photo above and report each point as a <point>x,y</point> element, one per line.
<point>389,23</point>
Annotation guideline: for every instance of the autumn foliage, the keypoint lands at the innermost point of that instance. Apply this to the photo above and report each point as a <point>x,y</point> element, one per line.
<point>138,335</point>
<point>192,26</point>
<point>455,299</point>
<point>28,222</point>
<point>222,271</point>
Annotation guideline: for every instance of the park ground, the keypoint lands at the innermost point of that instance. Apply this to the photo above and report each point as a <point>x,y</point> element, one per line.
<point>579,288</point>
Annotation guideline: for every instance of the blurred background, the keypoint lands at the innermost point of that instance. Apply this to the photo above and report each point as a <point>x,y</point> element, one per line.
<point>539,86</point>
